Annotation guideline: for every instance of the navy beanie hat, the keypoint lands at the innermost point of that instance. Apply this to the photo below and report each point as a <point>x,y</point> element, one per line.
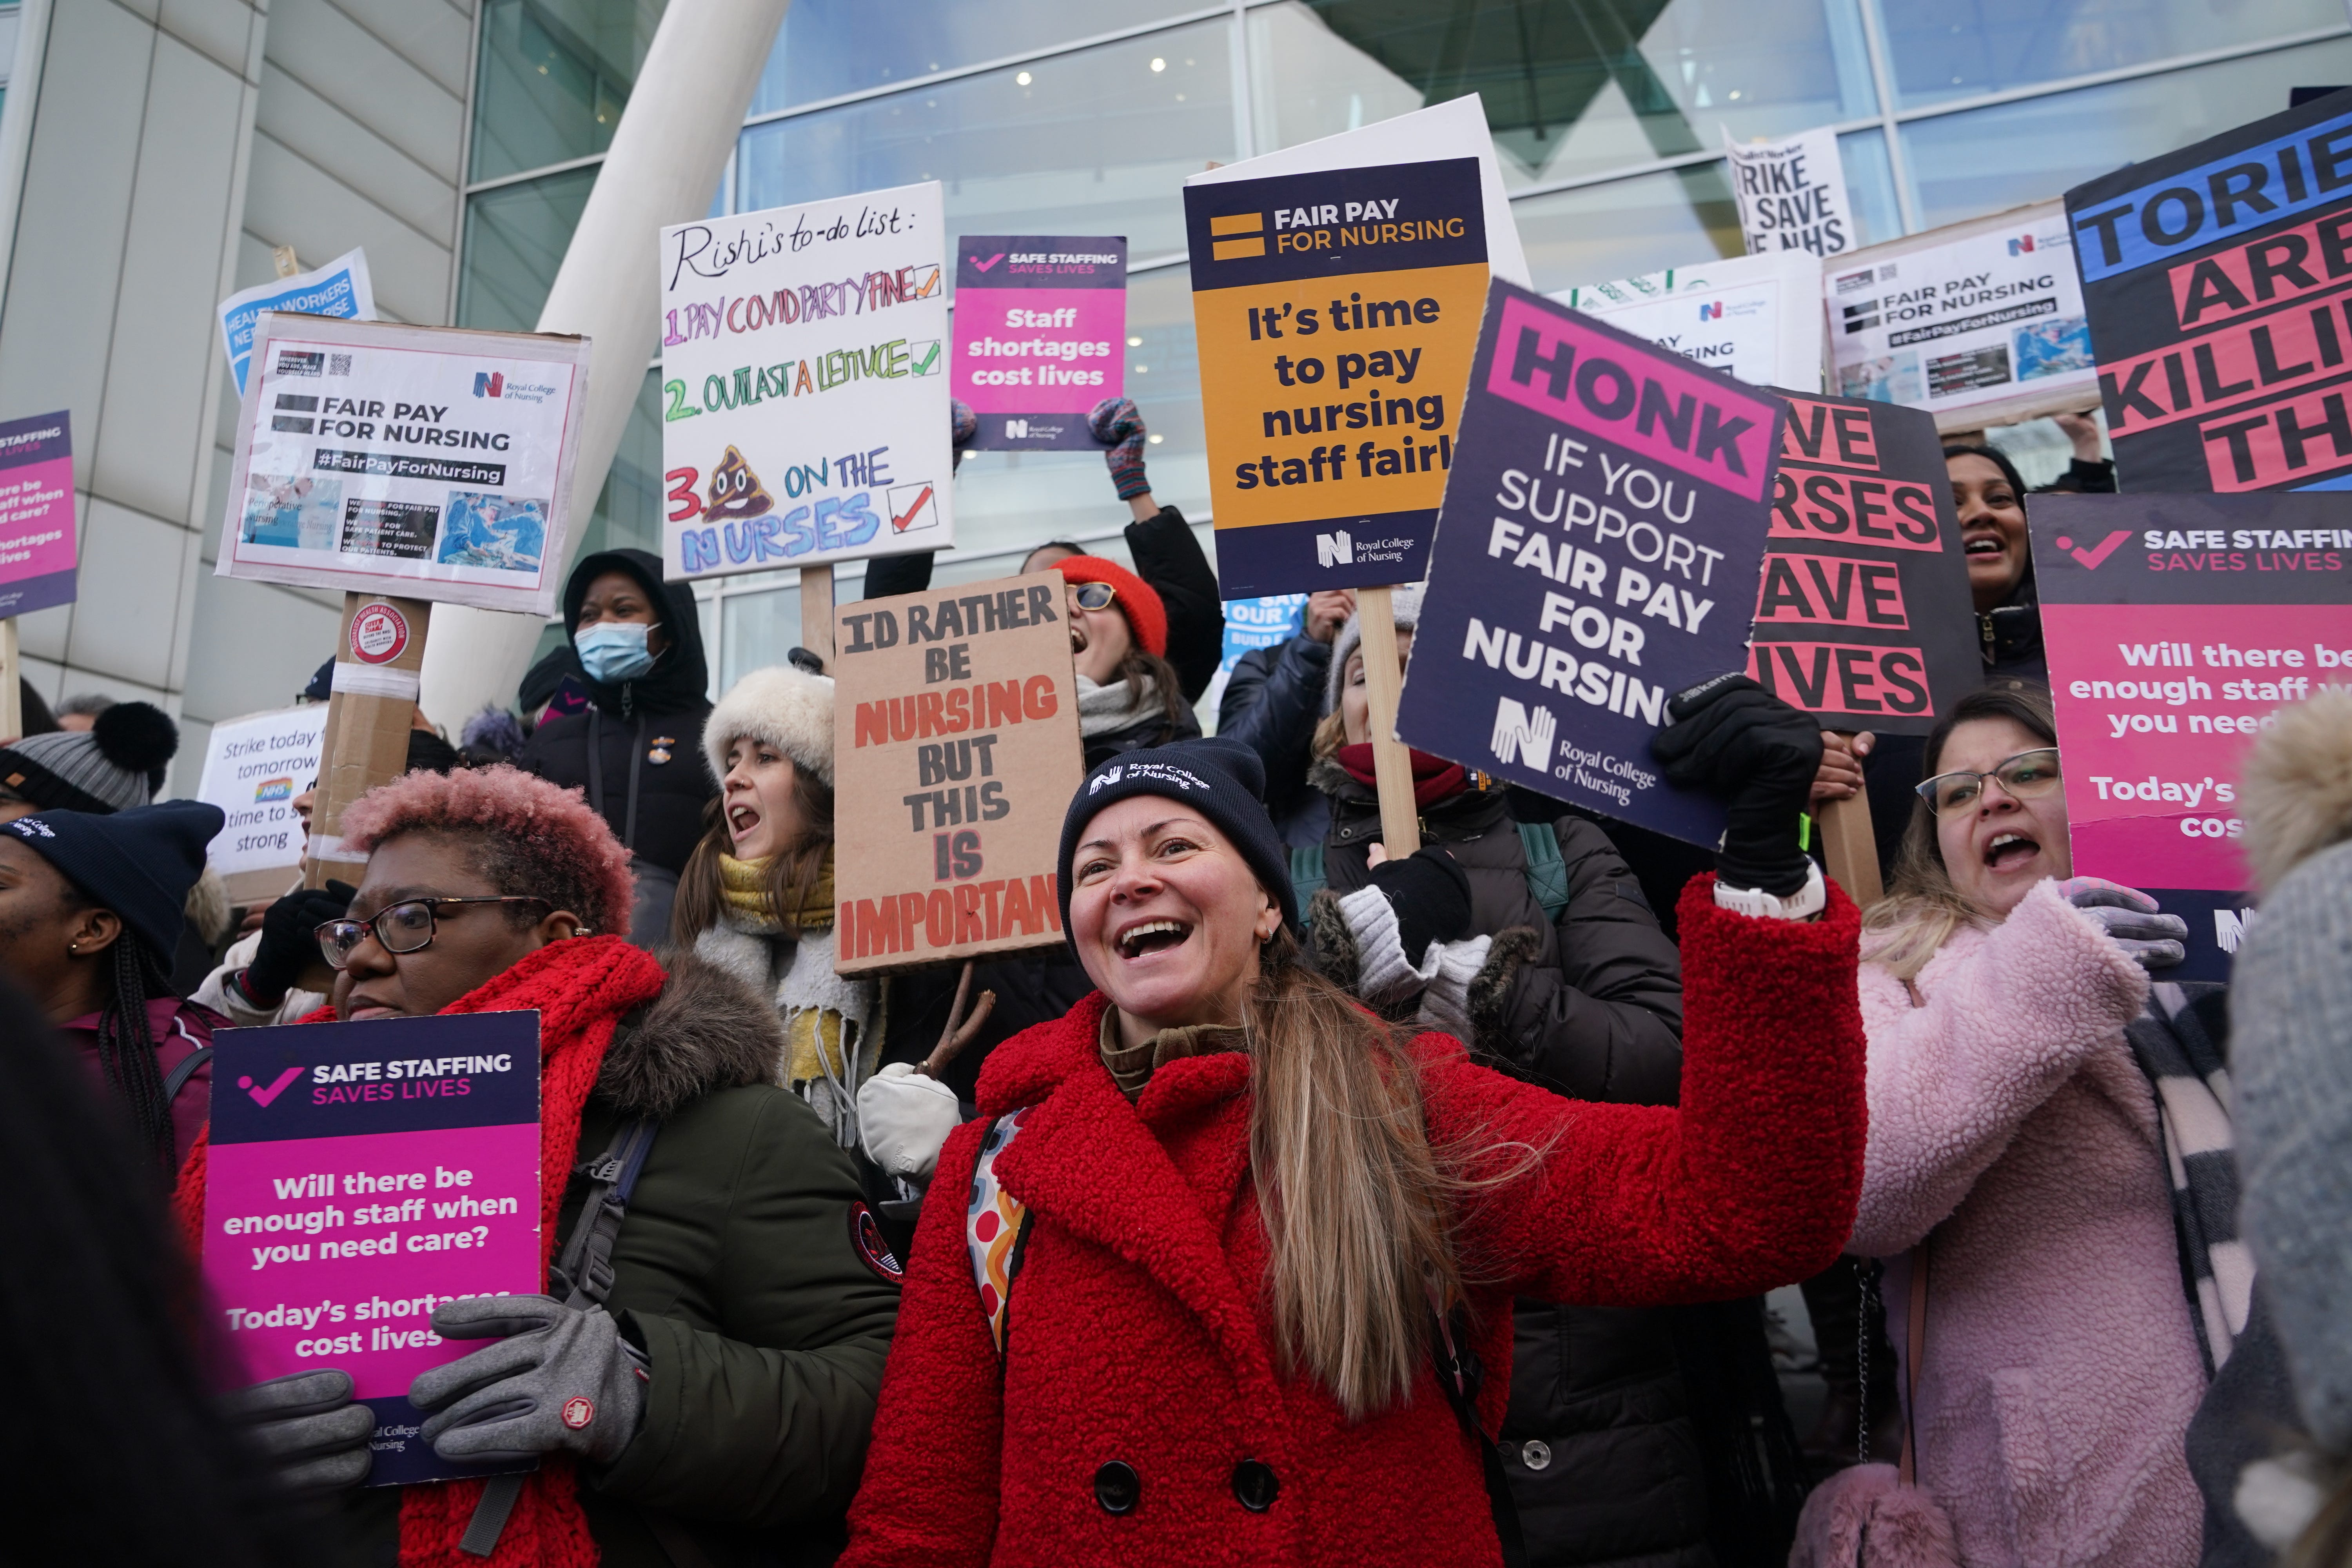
<point>139,863</point>
<point>1222,780</point>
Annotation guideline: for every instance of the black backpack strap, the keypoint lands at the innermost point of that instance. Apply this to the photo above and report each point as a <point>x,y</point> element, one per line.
<point>583,1273</point>
<point>1460,1373</point>
<point>177,1078</point>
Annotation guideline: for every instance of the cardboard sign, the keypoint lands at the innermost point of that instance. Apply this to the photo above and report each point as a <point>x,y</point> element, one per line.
<point>1336,313</point>
<point>254,767</point>
<point>2176,626</point>
<point>1980,323</point>
<point>956,741</point>
<point>340,288</point>
<point>361,1174</point>
<point>804,356</point>
<point>1864,615</point>
<point>1603,533</point>
<point>1791,193</point>
<point>373,458</point>
<point>2218,280</point>
<point>1040,336</point>
<point>37,542</point>
<point>1758,318</point>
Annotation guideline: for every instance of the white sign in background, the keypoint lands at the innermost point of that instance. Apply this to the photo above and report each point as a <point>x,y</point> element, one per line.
<point>1942,322</point>
<point>1793,194</point>
<point>804,385</point>
<point>374,458</point>
<point>1755,317</point>
<point>254,767</point>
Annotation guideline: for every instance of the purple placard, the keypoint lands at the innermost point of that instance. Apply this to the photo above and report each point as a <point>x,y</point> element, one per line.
<point>36,515</point>
<point>1040,336</point>
<point>359,1175</point>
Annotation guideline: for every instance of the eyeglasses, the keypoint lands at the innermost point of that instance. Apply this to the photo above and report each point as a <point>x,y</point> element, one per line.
<point>2025,776</point>
<point>409,926</point>
<point>1093,596</point>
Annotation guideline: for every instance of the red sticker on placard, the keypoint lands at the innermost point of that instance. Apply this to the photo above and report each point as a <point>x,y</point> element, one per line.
<point>379,633</point>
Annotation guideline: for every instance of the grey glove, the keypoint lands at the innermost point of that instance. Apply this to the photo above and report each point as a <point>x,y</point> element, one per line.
<point>2130,917</point>
<point>314,1434</point>
<point>559,1377</point>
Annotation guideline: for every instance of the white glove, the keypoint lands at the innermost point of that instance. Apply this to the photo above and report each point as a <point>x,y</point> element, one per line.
<point>903,1118</point>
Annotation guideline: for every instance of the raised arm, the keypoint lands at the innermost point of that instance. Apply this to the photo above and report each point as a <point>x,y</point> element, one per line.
<point>2001,1029</point>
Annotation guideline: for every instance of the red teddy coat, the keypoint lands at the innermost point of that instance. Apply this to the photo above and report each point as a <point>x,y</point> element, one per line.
<point>1137,1331</point>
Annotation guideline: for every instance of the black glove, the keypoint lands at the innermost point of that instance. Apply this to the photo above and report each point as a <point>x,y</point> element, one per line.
<point>289,940</point>
<point>1733,738</point>
<point>1432,897</point>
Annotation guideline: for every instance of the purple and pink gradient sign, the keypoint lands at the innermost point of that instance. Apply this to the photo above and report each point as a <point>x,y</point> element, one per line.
<point>2176,628</point>
<point>1040,336</point>
<point>36,514</point>
<point>361,1174</point>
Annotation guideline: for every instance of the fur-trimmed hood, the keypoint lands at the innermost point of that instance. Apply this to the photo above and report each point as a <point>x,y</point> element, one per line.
<point>707,1031</point>
<point>2297,795</point>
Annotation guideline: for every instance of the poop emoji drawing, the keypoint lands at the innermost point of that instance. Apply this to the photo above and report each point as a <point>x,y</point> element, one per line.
<point>735,489</point>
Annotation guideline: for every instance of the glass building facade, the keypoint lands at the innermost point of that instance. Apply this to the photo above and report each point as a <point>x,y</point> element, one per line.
<point>1050,117</point>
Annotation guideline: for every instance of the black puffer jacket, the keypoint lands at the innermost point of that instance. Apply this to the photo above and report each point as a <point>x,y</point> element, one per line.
<point>647,733</point>
<point>1271,703</point>
<point>1598,1445</point>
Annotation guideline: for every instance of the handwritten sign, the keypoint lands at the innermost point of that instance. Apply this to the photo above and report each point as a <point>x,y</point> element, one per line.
<point>956,741</point>
<point>1041,331</point>
<point>254,767</point>
<point>36,515</point>
<point>362,1174</point>
<point>804,386</point>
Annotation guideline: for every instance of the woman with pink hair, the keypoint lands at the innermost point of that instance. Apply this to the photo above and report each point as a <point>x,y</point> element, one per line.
<point>728,1366</point>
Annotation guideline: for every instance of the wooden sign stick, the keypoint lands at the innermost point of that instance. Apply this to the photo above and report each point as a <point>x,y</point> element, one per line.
<point>1391,759</point>
<point>11,675</point>
<point>816,613</point>
<point>368,720</point>
<point>1849,847</point>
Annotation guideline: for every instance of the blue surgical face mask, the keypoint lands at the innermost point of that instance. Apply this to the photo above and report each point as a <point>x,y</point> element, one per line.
<point>614,651</point>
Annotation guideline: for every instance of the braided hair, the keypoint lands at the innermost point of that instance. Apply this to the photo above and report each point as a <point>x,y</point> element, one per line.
<point>126,1045</point>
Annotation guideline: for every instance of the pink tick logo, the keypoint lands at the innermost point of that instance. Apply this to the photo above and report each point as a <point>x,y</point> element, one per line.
<point>262,1097</point>
<point>2092,557</point>
<point>979,266</point>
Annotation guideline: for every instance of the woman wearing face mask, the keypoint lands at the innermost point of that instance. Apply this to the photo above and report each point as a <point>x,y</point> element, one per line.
<point>757,897</point>
<point>636,751</point>
<point>2018,1176</point>
<point>1223,1219</point>
<point>727,1368</point>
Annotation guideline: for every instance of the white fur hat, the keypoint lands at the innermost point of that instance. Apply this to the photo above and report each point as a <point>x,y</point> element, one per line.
<point>788,708</point>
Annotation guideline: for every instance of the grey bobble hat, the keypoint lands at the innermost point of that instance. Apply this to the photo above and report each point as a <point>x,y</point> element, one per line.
<point>1406,604</point>
<point>114,765</point>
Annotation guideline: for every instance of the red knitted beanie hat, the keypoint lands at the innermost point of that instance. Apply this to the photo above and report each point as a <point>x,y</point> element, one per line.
<point>1147,618</point>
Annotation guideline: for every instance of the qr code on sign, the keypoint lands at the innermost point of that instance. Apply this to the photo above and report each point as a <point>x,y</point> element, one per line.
<point>338,365</point>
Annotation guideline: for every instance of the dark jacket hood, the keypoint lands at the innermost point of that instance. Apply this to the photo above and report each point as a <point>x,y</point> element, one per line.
<point>681,679</point>
<point>707,1031</point>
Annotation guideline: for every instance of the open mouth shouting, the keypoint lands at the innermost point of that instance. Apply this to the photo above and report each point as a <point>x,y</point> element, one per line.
<point>2008,851</point>
<point>1145,938</point>
<point>741,818</point>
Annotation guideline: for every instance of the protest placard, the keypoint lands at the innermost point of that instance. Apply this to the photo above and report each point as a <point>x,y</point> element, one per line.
<point>37,546</point>
<point>2176,626</point>
<point>359,1175</point>
<point>1603,533</point>
<point>427,461</point>
<point>955,748</point>
<point>1791,193</point>
<point>254,767</point>
<point>805,392</point>
<point>1266,621</point>
<point>1863,616</point>
<point>2218,280</point>
<point>1758,318</point>
<point>1978,323</point>
<point>1040,336</point>
<point>340,288</point>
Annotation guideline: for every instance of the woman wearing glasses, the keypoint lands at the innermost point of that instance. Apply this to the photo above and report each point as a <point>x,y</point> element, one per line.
<point>2016,1172</point>
<point>1129,694</point>
<point>713,1398</point>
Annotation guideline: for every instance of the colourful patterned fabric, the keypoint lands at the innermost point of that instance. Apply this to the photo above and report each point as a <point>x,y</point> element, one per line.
<point>993,1227</point>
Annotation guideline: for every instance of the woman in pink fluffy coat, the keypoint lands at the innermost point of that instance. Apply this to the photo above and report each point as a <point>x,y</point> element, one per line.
<point>2015,1147</point>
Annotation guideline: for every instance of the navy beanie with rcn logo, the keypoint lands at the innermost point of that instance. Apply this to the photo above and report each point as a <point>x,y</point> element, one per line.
<point>139,863</point>
<point>1221,779</point>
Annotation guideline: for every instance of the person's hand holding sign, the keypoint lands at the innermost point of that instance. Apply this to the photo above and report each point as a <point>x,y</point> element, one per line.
<point>1841,776</point>
<point>1760,755</point>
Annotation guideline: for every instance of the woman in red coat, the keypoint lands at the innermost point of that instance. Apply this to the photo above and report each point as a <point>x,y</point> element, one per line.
<point>1216,1204</point>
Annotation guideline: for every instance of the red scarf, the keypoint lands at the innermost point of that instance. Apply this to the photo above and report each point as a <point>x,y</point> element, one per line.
<point>580,989</point>
<point>1433,778</point>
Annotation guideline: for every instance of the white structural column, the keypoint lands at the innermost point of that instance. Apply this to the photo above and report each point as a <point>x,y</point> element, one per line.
<point>667,153</point>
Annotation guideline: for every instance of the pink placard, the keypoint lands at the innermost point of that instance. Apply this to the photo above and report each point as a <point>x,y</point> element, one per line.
<point>1038,351</point>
